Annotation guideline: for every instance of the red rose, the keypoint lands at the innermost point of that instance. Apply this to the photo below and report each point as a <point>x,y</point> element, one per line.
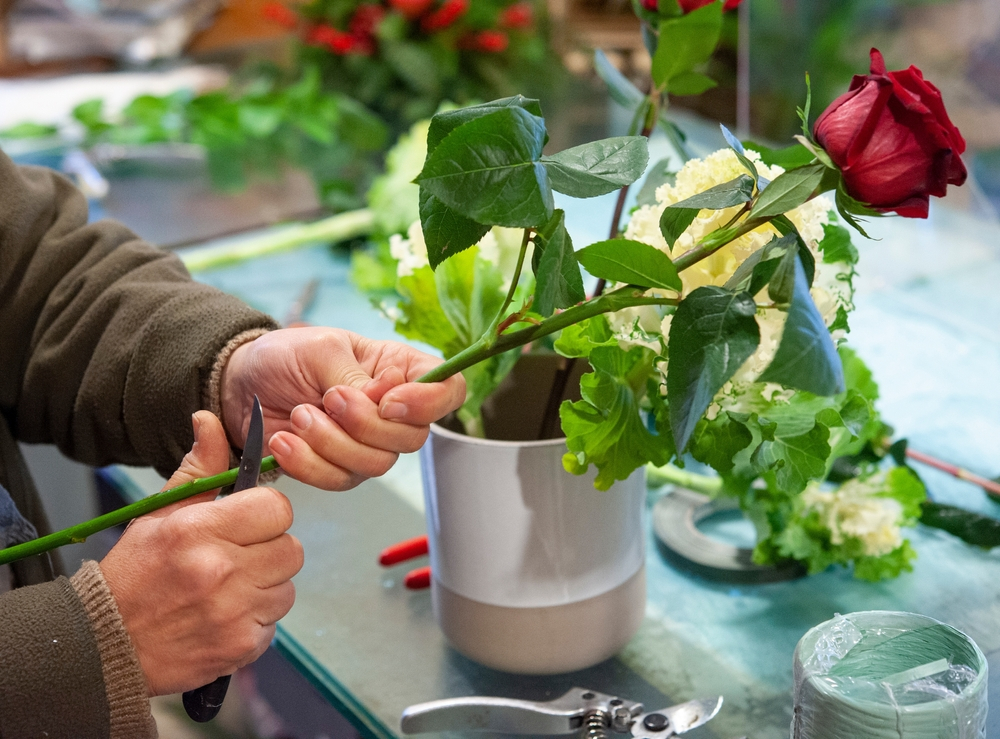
<point>892,140</point>
<point>492,42</point>
<point>449,12</point>
<point>649,5</point>
<point>518,15</point>
<point>411,9</point>
<point>281,15</point>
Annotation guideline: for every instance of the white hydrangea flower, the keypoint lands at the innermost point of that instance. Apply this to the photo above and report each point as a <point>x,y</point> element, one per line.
<point>500,246</point>
<point>856,510</point>
<point>831,286</point>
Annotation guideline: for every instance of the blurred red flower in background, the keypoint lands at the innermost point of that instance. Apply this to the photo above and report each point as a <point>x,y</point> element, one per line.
<point>281,15</point>
<point>449,12</point>
<point>518,15</point>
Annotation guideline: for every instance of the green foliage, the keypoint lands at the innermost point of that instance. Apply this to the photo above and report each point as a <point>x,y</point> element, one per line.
<point>503,184</point>
<point>836,245</point>
<point>806,358</point>
<point>558,282</point>
<point>789,190</point>
<point>712,333</point>
<point>631,262</point>
<point>685,42</point>
<point>605,428</point>
<point>28,130</point>
<point>580,339</point>
<point>599,167</point>
<point>659,174</point>
<point>446,231</point>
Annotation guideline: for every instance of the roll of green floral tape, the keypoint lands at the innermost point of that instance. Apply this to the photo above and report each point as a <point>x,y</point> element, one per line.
<point>880,674</point>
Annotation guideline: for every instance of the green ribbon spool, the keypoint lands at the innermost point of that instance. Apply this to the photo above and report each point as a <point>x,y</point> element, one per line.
<point>886,674</point>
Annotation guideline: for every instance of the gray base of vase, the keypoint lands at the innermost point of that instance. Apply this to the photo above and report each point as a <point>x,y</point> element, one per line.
<point>542,641</point>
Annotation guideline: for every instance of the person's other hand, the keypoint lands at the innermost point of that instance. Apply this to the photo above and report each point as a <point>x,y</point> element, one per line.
<point>200,584</point>
<point>338,408</point>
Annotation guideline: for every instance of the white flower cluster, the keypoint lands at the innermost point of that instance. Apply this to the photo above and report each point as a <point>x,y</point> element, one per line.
<point>858,510</point>
<point>831,286</point>
<point>500,246</point>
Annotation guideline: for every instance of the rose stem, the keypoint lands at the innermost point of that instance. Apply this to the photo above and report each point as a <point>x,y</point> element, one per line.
<point>566,364</point>
<point>80,532</point>
<point>991,487</point>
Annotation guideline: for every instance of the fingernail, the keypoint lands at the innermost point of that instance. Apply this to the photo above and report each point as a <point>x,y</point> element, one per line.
<point>195,425</point>
<point>280,446</point>
<point>301,418</point>
<point>334,402</point>
<point>392,410</point>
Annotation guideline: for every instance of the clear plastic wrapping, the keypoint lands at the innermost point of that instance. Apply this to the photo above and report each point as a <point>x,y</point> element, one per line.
<point>886,674</point>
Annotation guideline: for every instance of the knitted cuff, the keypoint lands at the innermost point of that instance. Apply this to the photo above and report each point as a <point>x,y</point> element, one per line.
<point>212,397</point>
<point>124,681</point>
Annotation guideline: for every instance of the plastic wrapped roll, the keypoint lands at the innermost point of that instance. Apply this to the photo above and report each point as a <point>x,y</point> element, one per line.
<point>885,674</point>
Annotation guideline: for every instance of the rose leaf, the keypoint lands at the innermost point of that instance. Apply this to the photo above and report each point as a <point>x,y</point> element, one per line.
<point>599,167</point>
<point>446,232</point>
<point>558,282</point>
<point>488,170</point>
<point>631,262</point>
<point>806,358</point>
<point>712,333</point>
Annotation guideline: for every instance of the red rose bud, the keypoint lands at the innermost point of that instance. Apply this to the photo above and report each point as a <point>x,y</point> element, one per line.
<point>731,5</point>
<point>411,9</point>
<point>449,12</point>
<point>281,15</point>
<point>365,20</point>
<point>892,140</point>
<point>492,42</point>
<point>688,5</point>
<point>650,5</point>
<point>519,15</point>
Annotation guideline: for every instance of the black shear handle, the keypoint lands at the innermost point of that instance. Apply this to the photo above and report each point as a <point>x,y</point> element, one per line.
<point>203,704</point>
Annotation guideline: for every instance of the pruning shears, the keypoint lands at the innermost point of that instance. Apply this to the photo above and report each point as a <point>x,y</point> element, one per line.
<point>203,704</point>
<point>589,714</point>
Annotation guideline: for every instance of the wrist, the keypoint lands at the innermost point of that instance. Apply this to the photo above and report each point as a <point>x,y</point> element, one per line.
<point>226,392</point>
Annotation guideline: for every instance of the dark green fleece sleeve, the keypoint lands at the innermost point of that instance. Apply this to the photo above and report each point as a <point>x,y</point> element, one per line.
<point>105,342</point>
<point>51,682</point>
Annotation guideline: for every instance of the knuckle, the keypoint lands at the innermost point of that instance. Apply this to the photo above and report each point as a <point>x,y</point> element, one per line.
<point>209,569</point>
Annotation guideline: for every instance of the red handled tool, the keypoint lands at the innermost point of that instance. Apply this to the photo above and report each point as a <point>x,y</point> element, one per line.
<point>410,549</point>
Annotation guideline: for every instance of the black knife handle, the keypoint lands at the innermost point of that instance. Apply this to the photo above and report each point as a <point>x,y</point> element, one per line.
<point>203,704</point>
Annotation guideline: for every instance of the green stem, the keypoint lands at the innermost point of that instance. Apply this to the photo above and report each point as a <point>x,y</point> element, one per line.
<point>624,297</point>
<point>513,282</point>
<point>715,241</point>
<point>670,475</point>
<point>340,227</point>
<point>80,532</point>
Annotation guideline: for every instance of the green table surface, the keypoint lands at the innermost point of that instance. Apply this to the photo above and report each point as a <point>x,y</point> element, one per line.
<point>927,322</point>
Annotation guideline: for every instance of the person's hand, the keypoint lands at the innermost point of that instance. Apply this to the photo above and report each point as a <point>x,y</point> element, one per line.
<point>200,584</point>
<point>338,408</point>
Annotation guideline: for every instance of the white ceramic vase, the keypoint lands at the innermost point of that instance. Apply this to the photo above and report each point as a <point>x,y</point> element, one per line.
<point>533,570</point>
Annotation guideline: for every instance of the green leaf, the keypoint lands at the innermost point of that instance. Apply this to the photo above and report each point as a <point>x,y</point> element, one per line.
<point>893,564</point>
<point>785,227</point>
<point>789,190</point>
<point>737,146</point>
<point>28,130</point>
<point>972,528</point>
<point>631,262</point>
<point>789,157</point>
<point>659,174</point>
<point>446,232</point>
<point>558,282</point>
<point>712,333</point>
<point>690,83</point>
<point>260,121</point>
<point>421,317</point>
<point>580,339</point>
<point>674,221</point>
<point>793,460</point>
<point>605,428</point>
<point>781,285</point>
<point>717,442</point>
<point>836,245</point>
<point>806,358</point>
<point>488,170</point>
<point>685,42</point>
<point>415,66</point>
<point>726,195</point>
<point>470,292</point>
<point>599,167</point>
<point>621,89</point>
<point>444,123</point>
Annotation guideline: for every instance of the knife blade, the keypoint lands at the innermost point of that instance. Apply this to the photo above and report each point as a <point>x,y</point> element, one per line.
<point>203,704</point>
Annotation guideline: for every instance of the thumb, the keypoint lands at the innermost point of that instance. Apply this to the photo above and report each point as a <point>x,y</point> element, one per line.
<point>208,456</point>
